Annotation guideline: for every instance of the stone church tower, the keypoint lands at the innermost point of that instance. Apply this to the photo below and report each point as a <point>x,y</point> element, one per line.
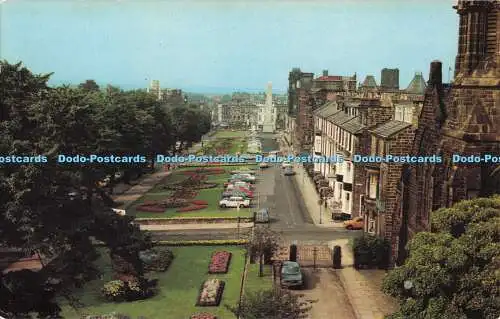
<point>461,118</point>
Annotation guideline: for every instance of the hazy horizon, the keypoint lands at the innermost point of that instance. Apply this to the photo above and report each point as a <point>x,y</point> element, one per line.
<point>217,47</point>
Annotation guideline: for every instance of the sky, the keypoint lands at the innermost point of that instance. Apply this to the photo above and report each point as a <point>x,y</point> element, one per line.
<point>227,45</point>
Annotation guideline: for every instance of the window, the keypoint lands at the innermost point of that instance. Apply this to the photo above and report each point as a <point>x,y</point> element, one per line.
<point>348,167</point>
<point>347,196</point>
<point>373,185</point>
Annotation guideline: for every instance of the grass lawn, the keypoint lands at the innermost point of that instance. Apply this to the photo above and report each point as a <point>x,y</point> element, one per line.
<point>254,283</point>
<point>229,133</point>
<point>211,195</point>
<point>179,287</point>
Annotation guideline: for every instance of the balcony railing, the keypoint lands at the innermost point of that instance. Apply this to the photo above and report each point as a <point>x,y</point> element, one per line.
<point>380,204</point>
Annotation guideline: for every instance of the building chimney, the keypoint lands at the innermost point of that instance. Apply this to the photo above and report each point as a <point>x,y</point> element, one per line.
<point>436,73</point>
<point>325,72</point>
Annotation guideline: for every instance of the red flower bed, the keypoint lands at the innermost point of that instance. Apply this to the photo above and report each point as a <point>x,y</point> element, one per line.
<point>203,315</point>
<point>191,208</point>
<point>219,264</point>
<point>199,202</point>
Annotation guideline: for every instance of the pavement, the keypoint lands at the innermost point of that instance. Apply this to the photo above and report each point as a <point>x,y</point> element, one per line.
<point>136,191</point>
<point>183,227</point>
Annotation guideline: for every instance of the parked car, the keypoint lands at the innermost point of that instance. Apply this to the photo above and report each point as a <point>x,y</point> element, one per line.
<point>262,216</point>
<point>289,171</point>
<point>286,164</point>
<point>243,176</point>
<point>234,202</point>
<point>237,172</point>
<point>234,184</point>
<point>234,193</point>
<point>291,275</point>
<point>264,165</point>
<point>356,223</point>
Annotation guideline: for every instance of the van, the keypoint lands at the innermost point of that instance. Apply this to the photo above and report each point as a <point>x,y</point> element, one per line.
<point>262,216</point>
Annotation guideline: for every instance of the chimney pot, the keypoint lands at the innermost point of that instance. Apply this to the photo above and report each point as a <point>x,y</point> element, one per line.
<point>436,73</point>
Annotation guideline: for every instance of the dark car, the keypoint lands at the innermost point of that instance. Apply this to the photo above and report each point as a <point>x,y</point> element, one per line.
<point>291,275</point>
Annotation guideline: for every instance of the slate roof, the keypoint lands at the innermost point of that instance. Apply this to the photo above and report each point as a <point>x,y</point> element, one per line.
<point>346,122</point>
<point>417,84</point>
<point>326,110</point>
<point>390,128</point>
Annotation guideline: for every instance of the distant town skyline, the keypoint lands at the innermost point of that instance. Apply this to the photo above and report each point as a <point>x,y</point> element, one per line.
<point>221,46</point>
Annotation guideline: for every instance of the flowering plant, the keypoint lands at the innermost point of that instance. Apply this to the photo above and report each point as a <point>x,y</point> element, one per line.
<point>219,263</point>
<point>211,293</point>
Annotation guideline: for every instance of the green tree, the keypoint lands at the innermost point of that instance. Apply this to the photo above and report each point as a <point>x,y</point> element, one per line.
<point>264,244</point>
<point>52,209</point>
<point>275,304</point>
<point>89,85</point>
<point>452,272</point>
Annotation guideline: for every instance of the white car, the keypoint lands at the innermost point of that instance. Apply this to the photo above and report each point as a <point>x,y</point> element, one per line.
<point>246,176</point>
<point>234,202</point>
<point>231,186</point>
<point>286,164</point>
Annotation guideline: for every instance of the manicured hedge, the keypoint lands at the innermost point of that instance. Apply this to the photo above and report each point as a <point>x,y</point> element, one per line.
<point>217,242</point>
<point>203,315</point>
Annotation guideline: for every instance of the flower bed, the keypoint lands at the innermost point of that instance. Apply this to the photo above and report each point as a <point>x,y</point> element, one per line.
<point>199,202</point>
<point>219,264</point>
<point>203,315</point>
<point>191,208</point>
<point>210,293</point>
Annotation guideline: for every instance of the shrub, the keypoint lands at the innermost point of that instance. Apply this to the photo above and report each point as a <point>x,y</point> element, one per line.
<point>115,290</point>
<point>137,289</point>
<point>156,260</point>
<point>199,202</point>
<point>371,251</point>
<point>215,242</point>
<point>191,208</point>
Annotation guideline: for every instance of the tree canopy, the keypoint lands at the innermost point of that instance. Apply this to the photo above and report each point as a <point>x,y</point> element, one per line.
<point>57,210</point>
<point>452,271</point>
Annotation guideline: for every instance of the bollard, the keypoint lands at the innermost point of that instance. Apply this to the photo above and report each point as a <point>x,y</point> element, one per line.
<point>293,253</point>
<point>337,257</point>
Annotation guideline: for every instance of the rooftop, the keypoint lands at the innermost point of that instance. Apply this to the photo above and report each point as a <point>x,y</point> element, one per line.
<point>347,122</point>
<point>329,78</point>
<point>417,84</point>
<point>370,82</point>
<point>390,128</point>
<point>327,110</point>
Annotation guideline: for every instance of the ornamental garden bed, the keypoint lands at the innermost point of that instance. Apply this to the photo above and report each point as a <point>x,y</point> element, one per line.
<point>219,263</point>
<point>211,196</point>
<point>210,293</point>
<point>179,287</point>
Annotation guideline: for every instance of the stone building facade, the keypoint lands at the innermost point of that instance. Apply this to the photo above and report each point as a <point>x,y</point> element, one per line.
<point>463,118</point>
